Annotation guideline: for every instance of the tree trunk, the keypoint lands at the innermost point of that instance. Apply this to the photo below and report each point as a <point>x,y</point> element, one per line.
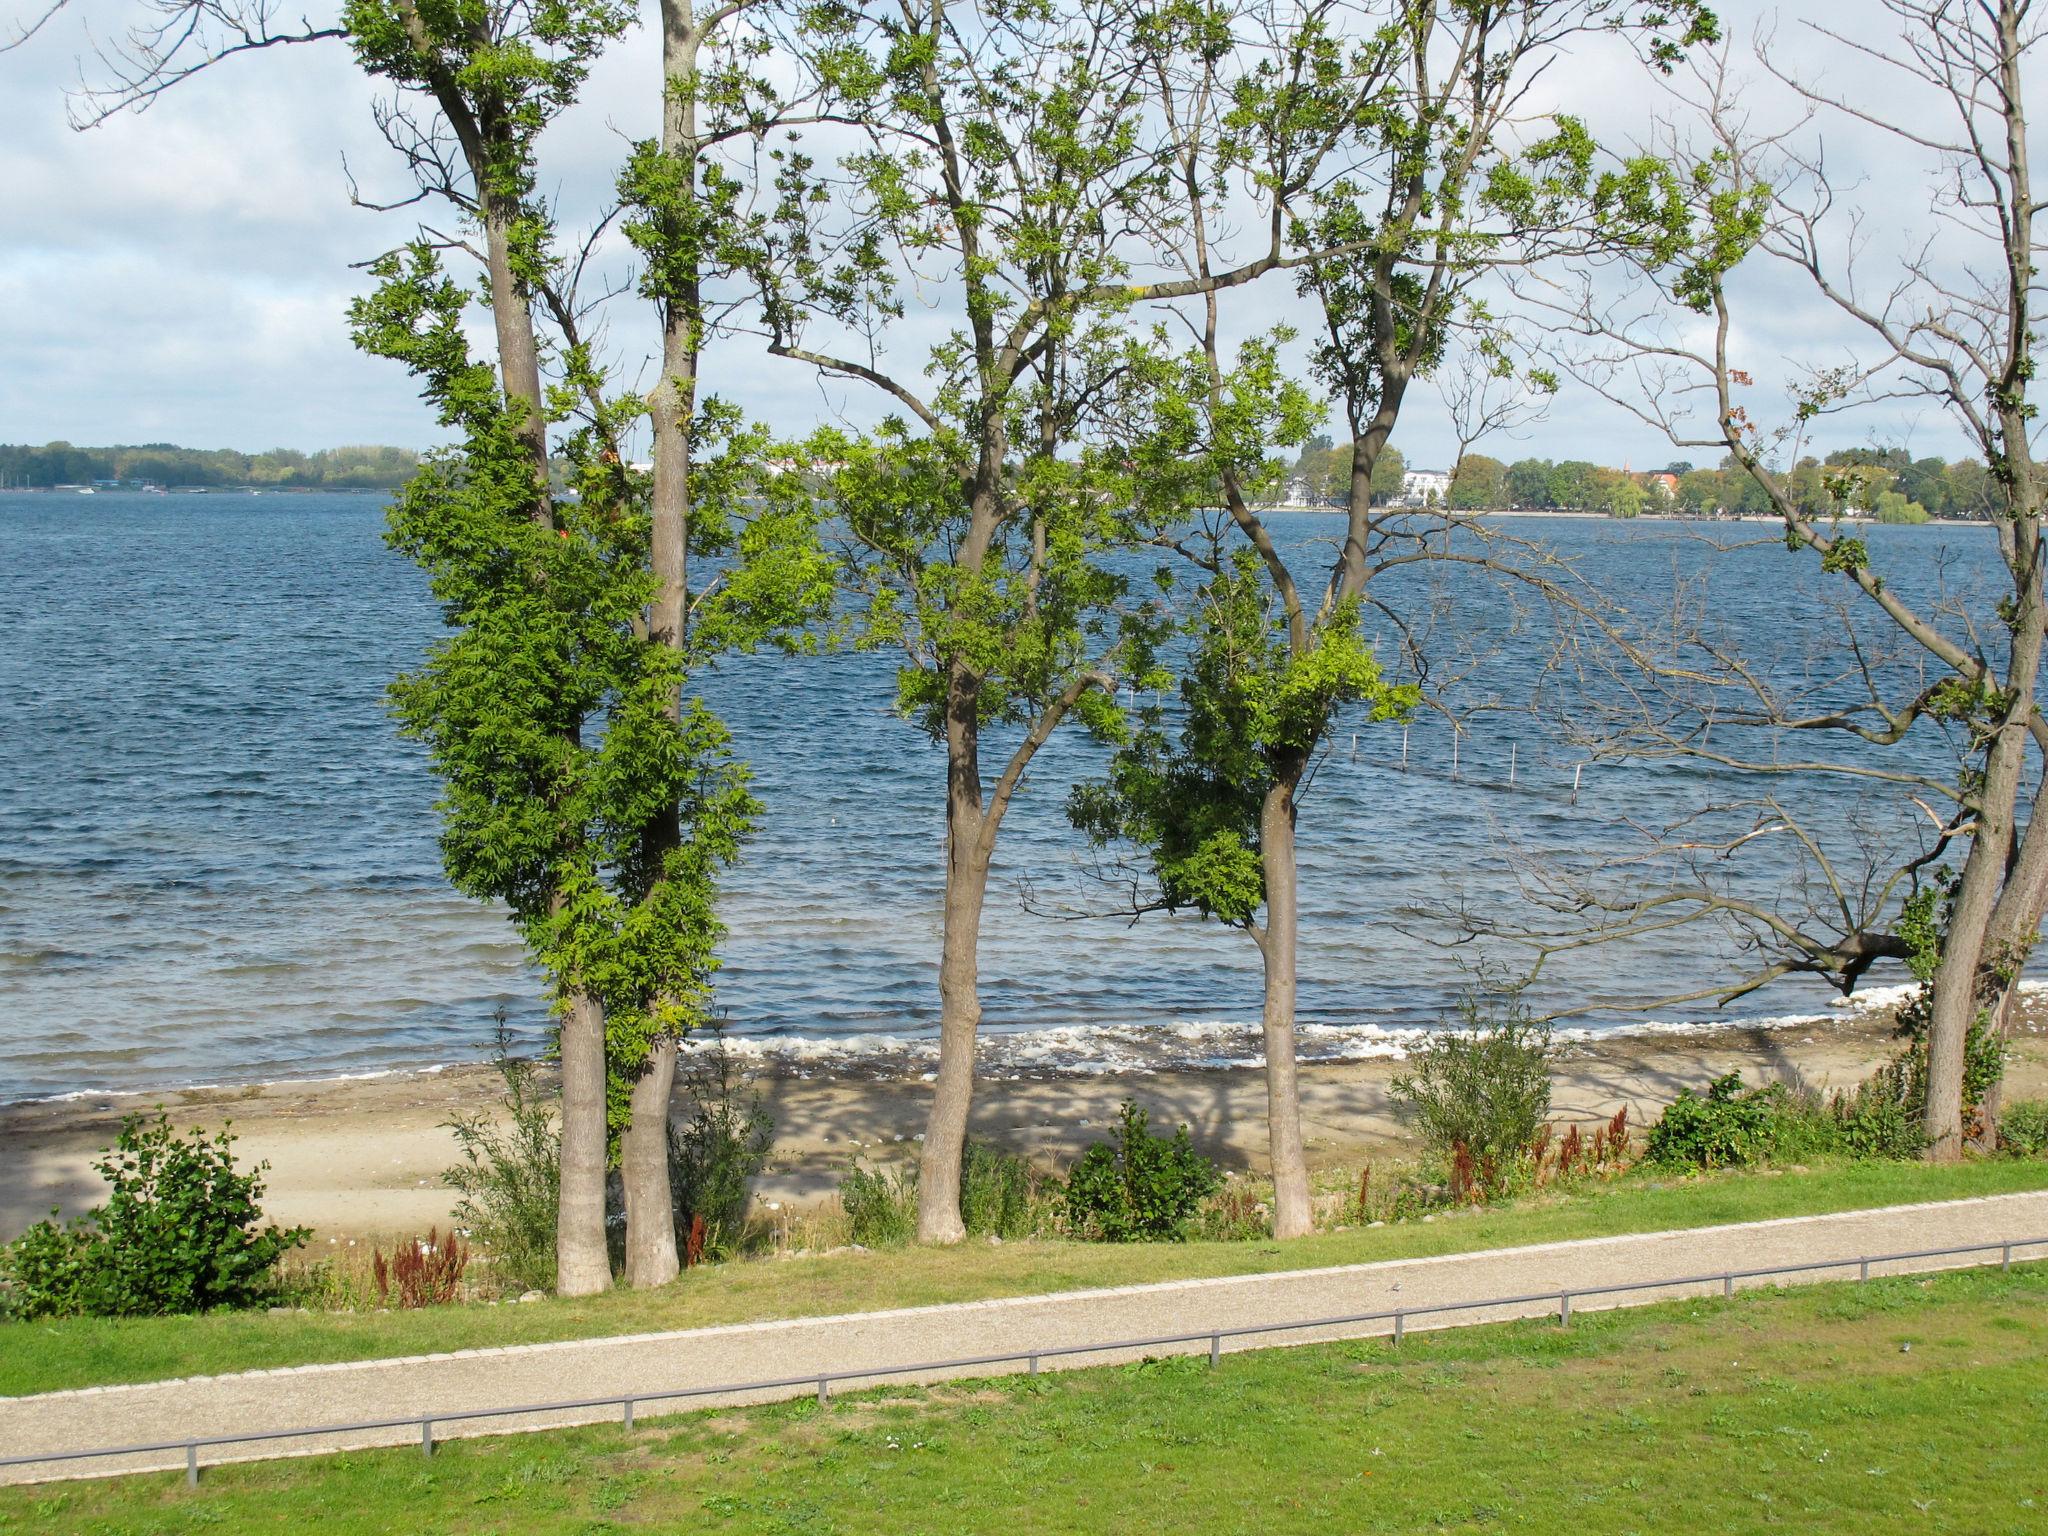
<point>1292,1213</point>
<point>643,1156</point>
<point>1958,988</point>
<point>643,1145</point>
<point>967,861</point>
<point>583,1267</point>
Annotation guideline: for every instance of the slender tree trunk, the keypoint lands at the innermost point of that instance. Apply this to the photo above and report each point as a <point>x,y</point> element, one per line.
<point>967,862</point>
<point>2014,930</point>
<point>1957,991</point>
<point>651,1257</point>
<point>1293,1215</point>
<point>643,1158</point>
<point>582,1265</point>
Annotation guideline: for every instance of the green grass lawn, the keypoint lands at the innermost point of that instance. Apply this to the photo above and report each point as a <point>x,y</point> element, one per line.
<point>45,1356</point>
<point>1798,1410</point>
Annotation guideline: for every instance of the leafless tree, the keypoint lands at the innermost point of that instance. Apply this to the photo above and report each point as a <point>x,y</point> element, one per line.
<point>1673,336</point>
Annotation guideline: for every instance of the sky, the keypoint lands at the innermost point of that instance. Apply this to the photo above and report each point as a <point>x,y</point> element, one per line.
<point>183,275</point>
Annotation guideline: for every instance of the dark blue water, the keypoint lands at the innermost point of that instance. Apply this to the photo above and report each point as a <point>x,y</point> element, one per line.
<point>217,860</point>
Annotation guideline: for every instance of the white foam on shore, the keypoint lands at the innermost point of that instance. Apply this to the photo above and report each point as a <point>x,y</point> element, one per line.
<point>1087,1050</point>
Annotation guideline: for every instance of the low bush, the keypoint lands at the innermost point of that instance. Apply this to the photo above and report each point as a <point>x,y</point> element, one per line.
<point>881,1207</point>
<point>1479,1093</point>
<point>510,1179</point>
<point>1001,1195</point>
<point>1139,1187</point>
<point>425,1272</point>
<point>1732,1126</point>
<point>715,1155</point>
<point>2023,1128</point>
<point>178,1233</point>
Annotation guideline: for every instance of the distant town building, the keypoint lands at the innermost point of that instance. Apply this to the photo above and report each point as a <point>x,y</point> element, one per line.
<point>1425,487</point>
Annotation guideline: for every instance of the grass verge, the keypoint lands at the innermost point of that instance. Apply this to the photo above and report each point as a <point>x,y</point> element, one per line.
<point>48,1356</point>
<point>1905,1403</point>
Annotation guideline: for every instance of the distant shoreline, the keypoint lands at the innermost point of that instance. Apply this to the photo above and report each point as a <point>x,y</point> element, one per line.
<point>1563,514</point>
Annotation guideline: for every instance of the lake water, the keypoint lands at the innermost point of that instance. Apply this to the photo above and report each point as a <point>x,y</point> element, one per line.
<point>218,862</point>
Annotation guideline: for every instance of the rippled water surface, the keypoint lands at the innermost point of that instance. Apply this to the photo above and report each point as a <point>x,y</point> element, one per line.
<point>217,860</point>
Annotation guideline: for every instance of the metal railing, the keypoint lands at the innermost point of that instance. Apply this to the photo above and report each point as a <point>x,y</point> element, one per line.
<point>824,1381</point>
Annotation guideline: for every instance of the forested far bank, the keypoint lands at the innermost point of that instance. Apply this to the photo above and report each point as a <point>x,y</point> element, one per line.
<point>1886,484</point>
<point>367,467</point>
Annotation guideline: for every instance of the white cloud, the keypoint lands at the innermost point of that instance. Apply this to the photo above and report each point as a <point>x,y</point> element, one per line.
<point>184,274</point>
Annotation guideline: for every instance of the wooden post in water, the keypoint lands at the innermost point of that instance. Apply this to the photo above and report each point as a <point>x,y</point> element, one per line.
<point>1454,751</point>
<point>1513,747</point>
<point>1581,768</point>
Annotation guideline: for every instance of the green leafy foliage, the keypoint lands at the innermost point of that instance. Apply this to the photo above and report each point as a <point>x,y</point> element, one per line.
<point>1001,1194</point>
<point>1139,1187</point>
<point>1732,1126</point>
<point>1483,1087</point>
<point>880,1206</point>
<point>2023,1128</point>
<point>178,1233</point>
<point>717,1151</point>
<point>510,1179</point>
<point>542,809</point>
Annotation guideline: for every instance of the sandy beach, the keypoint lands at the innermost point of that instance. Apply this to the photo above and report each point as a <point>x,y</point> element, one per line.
<point>364,1157</point>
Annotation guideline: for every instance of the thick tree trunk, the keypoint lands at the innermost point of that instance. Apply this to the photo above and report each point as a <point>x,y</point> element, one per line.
<point>1293,1215</point>
<point>643,1156</point>
<point>583,1267</point>
<point>967,861</point>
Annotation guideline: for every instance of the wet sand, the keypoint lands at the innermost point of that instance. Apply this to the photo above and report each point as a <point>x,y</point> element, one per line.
<point>364,1157</point>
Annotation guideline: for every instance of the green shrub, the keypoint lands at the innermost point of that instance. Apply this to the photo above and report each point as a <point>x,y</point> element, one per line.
<point>1140,1187</point>
<point>713,1158</point>
<point>1484,1087</point>
<point>177,1234</point>
<point>510,1179</point>
<point>1000,1195</point>
<point>2023,1128</point>
<point>881,1208</point>
<point>1881,1119</point>
<point>1728,1128</point>
<point>46,1272</point>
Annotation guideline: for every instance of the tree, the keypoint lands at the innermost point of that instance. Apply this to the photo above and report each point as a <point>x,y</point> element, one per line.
<point>1389,471</point>
<point>1478,484</point>
<point>1002,158</point>
<point>583,789</point>
<point>1527,483</point>
<point>1413,186</point>
<point>1953,324</point>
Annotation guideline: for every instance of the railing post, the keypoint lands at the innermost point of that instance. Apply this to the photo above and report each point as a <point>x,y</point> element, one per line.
<point>426,1437</point>
<point>1564,1309</point>
<point>1728,1285</point>
<point>1215,1349</point>
<point>1399,1321</point>
<point>2005,1256</point>
<point>1034,1365</point>
<point>824,1393</point>
<point>192,1465</point>
<point>629,1413</point>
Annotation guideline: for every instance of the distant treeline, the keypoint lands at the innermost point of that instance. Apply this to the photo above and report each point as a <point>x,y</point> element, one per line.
<point>27,467</point>
<point>1884,483</point>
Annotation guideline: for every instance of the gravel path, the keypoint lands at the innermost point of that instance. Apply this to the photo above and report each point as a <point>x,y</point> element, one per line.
<point>650,1363</point>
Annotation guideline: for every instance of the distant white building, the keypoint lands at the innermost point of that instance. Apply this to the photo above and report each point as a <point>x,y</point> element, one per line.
<point>1425,487</point>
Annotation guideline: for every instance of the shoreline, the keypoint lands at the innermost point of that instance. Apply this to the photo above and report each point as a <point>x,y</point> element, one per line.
<point>362,1156</point>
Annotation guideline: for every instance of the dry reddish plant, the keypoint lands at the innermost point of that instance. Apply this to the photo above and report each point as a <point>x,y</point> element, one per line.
<point>421,1273</point>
